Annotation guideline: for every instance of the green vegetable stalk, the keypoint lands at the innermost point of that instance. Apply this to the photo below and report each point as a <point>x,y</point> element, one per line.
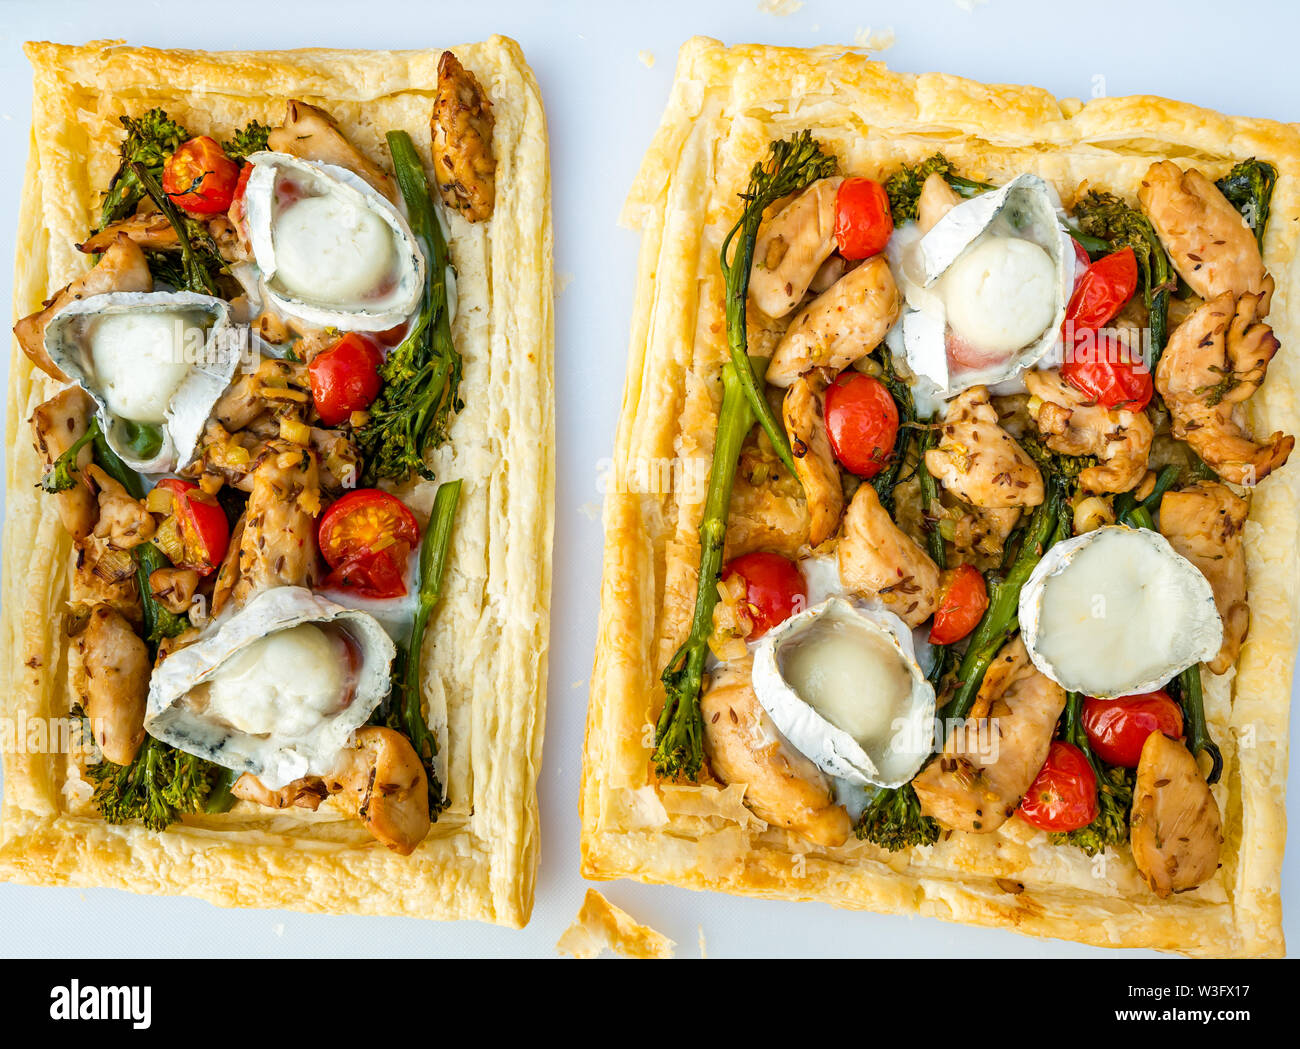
<point>1139,513</point>
<point>198,269</point>
<point>1195,728</point>
<point>406,715</point>
<point>791,165</point>
<point>1114,790</point>
<point>422,375</point>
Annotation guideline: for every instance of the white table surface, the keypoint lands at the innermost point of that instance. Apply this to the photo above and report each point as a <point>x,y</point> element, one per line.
<point>604,102</point>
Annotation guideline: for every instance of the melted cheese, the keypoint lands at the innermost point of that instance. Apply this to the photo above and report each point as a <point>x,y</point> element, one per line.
<point>140,358</point>
<point>329,250</point>
<point>1000,294</point>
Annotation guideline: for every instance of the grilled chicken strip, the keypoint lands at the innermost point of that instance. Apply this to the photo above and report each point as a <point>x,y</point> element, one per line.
<point>1211,246</point>
<point>936,200</point>
<point>311,134</point>
<point>461,127</point>
<point>877,557</point>
<point>305,793</point>
<point>978,461</point>
<point>1073,425</point>
<point>149,229</point>
<point>792,246</point>
<point>840,325</point>
<point>1204,523</point>
<point>1215,360</point>
<point>804,410</point>
<point>781,785</point>
<point>985,768</point>
<point>381,775</point>
<point>123,521</point>
<point>117,667</point>
<point>57,424</point>
<point>278,543</point>
<point>122,267</point>
<point>104,577</point>
<point>1174,828</point>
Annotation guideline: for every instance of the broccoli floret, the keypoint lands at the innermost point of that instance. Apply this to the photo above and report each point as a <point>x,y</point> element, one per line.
<point>62,473</point>
<point>893,820</point>
<point>1110,828</point>
<point>150,140</point>
<point>157,788</point>
<point>904,185</point>
<point>247,140</point>
<point>1249,189</point>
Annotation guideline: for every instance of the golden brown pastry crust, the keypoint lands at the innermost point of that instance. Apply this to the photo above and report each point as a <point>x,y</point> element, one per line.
<point>486,650</point>
<point>726,105</point>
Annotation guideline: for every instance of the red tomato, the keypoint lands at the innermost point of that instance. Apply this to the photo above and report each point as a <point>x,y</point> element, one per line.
<point>1117,728</point>
<point>1105,287</point>
<point>1081,261</point>
<point>1107,371</point>
<point>366,538</point>
<point>962,600</point>
<point>863,221</point>
<point>237,201</point>
<point>861,422</point>
<point>1063,796</point>
<point>200,178</point>
<point>205,532</point>
<point>345,378</point>
<point>774,588</point>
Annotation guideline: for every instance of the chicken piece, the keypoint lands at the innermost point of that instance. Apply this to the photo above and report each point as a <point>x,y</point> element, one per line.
<point>57,424</point>
<point>123,520</point>
<point>978,461</point>
<point>311,134</point>
<point>988,764</point>
<point>828,273</point>
<point>840,325</point>
<point>117,667</point>
<point>383,777</point>
<point>804,409</point>
<point>275,384</point>
<point>937,198</point>
<point>781,785</point>
<point>983,532</point>
<point>1214,361</point>
<point>1073,425</point>
<point>1174,828</point>
<point>101,576</point>
<point>877,557</point>
<point>1211,246</point>
<point>1204,523</point>
<point>149,229</point>
<point>174,588</point>
<point>768,510</point>
<point>122,267</point>
<point>791,247</point>
<point>305,793</point>
<point>223,588</point>
<point>461,127</point>
<point>278,543</point>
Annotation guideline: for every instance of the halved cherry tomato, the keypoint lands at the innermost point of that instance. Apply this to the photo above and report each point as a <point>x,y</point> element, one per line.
<point>345,378</point>
<point>200,178</point>
<point>863,221</point>
<point>1063,796</point>
<point>774,588</point>
<point>962,600</point>
<point>237,212</point>
<point>861,422</point>
<point>205,532</point>
<point>366,538</point>
<point>1104,288</point>
<point>1097,362</point>
<point>1117,728</point>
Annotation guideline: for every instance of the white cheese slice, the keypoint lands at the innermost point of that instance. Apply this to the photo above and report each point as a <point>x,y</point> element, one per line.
<point>1117,611</point>
<point>140,360</point>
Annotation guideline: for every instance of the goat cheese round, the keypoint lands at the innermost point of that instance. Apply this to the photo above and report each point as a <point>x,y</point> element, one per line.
<point>139,360</point>
<point>1001,294</point>
<point>328,248</point>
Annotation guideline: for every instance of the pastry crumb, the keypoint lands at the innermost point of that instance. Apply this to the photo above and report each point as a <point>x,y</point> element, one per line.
<point>646,58</point>
<point>562,282</point>
<point>780,8</point>
<point>600,925</point>
<point>874,39</point>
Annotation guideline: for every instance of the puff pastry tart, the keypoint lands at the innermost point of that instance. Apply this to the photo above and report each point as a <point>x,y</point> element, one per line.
<point>950,562</point>
<point>280,482</point>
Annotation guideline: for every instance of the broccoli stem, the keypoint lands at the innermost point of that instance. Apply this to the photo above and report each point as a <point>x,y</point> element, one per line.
<point>679,732</point>
<point>1197,732</point>
<point>433,566</point>
<point>791,165</point>
<point>1139,514</point>
<point>197,277</point>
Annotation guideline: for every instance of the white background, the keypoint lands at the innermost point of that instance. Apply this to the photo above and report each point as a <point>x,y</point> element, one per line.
<point>604,104</point>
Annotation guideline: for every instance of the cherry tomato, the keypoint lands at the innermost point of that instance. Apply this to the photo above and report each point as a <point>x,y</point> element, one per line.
<point>205,532</point>
<point>963,597</point>
<point>345,378</point>
<point>366,538</point>
<point>1082,261</point>
<point>1063,796</point>
<point>1117,728</point>
<point>200,178</point>
<point>237,213</point>
<point>861,422</point>
<point>1108,371</point>
<point>1104,288</point>
<point>863,221</point>
<point>774,588</point>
